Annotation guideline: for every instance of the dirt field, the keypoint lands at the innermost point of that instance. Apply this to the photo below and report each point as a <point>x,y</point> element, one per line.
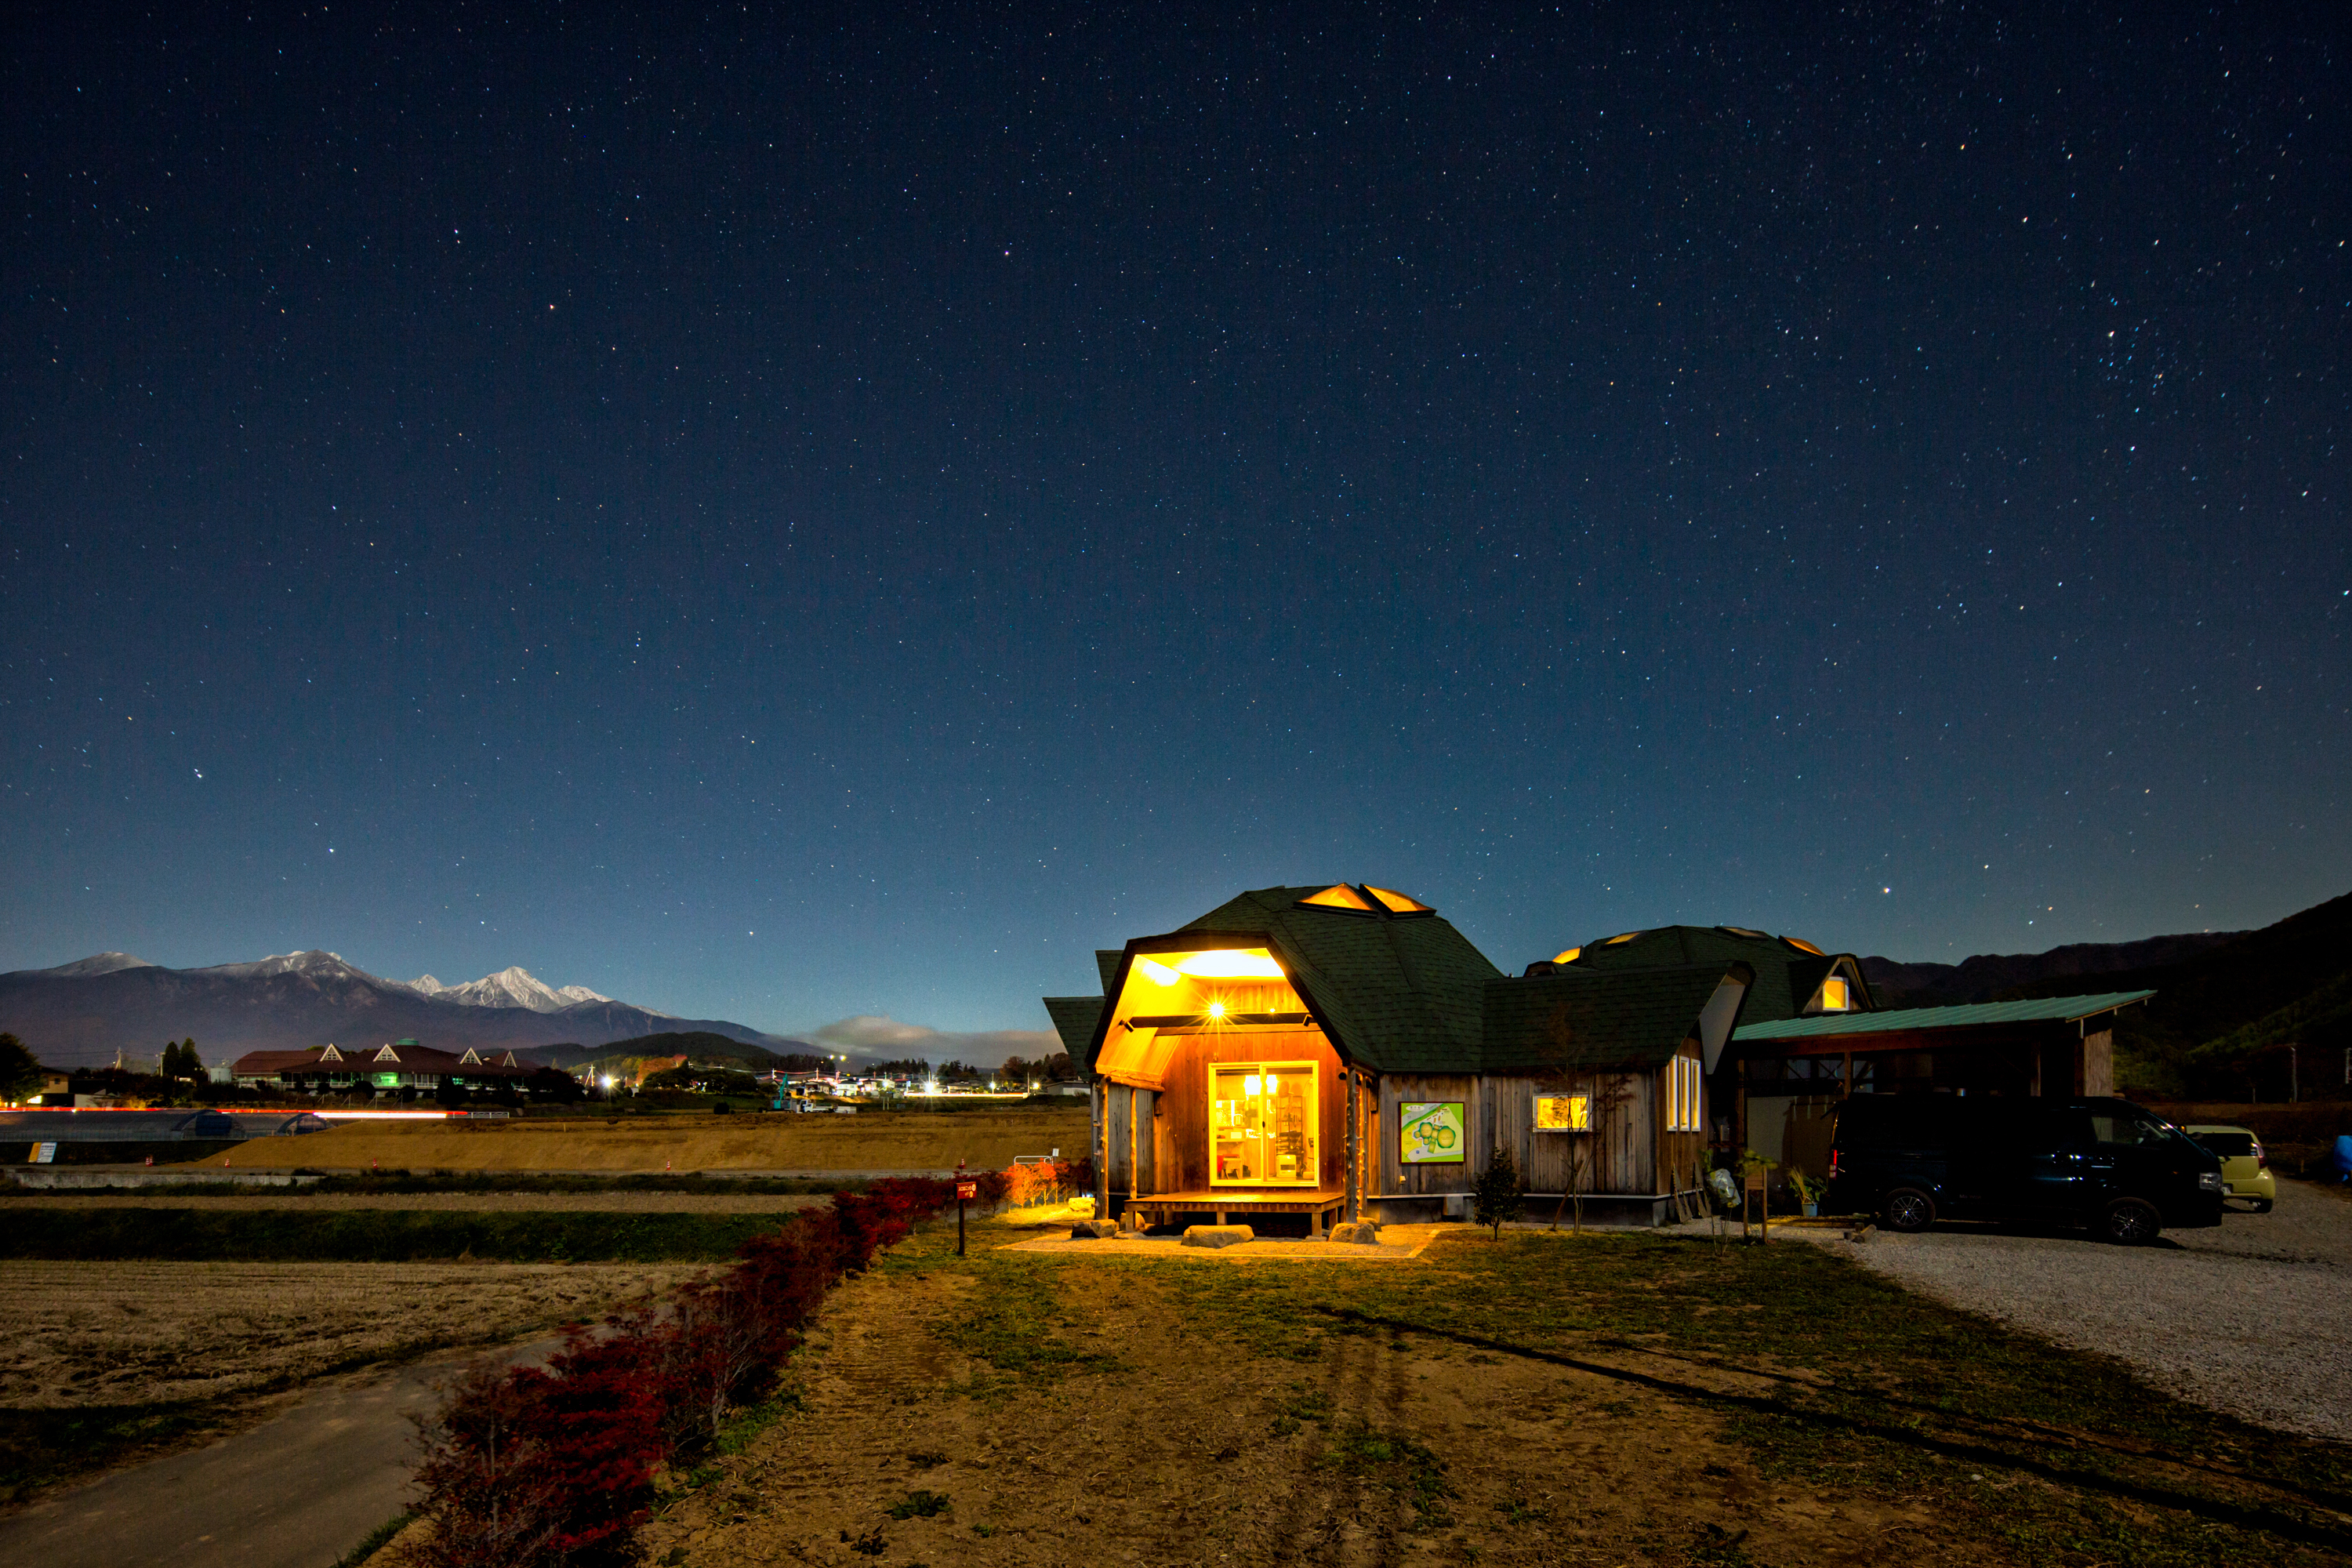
<point>870,1140</point>
<point>128,1333</point>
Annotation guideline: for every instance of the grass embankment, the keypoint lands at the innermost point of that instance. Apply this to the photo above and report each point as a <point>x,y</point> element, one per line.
<point>1658,1400</point>
<point>375,1236</point>
<point>39,1447</point>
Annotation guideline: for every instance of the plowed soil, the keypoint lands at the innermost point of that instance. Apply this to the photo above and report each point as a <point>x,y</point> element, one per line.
<point>870,1140</point>
<point>132,1333</point>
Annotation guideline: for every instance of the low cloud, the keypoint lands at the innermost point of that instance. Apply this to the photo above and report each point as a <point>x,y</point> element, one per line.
<point>883,1039</point>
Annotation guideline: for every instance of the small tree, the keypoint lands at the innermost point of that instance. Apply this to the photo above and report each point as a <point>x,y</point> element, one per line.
<point>20,1075</point>
<point>1498,1192</point>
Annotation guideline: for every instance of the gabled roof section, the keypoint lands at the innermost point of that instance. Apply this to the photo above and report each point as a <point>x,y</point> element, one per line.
<point>1076,1018</point>
<point>1572,1021</point>
<point>1910,1020</point>
<point>1396,992</point>
<point>1787,972</point>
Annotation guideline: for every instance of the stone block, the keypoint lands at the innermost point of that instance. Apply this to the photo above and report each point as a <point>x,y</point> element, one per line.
<point>1358,1233</point>
<point>1217,1234</point>
<point>1094,1229</point>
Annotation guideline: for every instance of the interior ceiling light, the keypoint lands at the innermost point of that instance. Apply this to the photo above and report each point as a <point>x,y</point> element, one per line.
<point>1568,957</point>
<point>1399,904</point>
<point>1157,973</point>
<point>1229,963</point>
<point>1339,896</point>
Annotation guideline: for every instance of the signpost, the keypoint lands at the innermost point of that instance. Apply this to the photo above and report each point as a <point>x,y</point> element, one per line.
<point>965,1191</point>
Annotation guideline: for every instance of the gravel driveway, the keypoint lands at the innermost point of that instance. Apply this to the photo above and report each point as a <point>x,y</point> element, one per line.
<point>2255,1318</point>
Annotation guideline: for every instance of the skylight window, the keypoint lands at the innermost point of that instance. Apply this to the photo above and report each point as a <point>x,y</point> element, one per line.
<point>1339,896</point>
<point>1804,947</point>
<point>1613,940</point>
<point>1398,904</point>
<point>1568,957</point>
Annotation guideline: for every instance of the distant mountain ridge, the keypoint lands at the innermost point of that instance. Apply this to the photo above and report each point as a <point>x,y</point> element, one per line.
<point>1983,976</point>
<point>81,1014</point>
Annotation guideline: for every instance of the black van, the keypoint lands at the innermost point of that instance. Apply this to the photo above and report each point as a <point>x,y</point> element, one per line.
<point>1912,1159</point>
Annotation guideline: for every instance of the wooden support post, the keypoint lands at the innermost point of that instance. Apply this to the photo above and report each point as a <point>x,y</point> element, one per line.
<point>1134,1170</point>
<point>1102,1148</point>
<point>1347,1077</point>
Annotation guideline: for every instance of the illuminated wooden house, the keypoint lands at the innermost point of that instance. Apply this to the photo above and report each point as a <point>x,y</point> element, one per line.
<point>1344,1051</point>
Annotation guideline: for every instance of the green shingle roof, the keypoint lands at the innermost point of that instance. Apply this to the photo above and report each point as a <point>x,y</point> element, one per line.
<point>1076,1018</point>
<point>1785,977</point>
<point>1401,993</point>
<point>1637,1017</point>
<point>2047,1009</point>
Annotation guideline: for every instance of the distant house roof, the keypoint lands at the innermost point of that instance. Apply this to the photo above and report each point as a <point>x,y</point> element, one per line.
<point>1912,1020</point>
<point>406,1055</point>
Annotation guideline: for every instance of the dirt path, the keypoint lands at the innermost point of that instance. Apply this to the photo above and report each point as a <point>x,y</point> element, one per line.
<point>1066,1410</point>
<point>297,1490</point>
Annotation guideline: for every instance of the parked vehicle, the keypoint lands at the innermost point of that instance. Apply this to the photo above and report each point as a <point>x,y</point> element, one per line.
<point>2246,1170</point>
<point>2106,1163</point>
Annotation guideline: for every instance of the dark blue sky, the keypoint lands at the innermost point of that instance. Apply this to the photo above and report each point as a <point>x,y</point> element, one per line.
<point>843,514</point>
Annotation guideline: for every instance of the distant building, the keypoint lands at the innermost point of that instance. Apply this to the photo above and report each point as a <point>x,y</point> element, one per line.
<point>401,1067</point>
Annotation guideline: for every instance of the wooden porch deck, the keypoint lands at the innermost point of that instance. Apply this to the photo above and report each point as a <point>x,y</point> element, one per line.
<point>1320,1206</point>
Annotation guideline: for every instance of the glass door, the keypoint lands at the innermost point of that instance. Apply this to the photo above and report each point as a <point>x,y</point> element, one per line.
<point>1262,1124</point>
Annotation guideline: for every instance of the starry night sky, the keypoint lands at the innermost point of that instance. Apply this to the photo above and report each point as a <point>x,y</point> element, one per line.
<point>781,517</point>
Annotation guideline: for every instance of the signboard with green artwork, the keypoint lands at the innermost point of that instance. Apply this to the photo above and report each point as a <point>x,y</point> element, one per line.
<point>1429,1132</point>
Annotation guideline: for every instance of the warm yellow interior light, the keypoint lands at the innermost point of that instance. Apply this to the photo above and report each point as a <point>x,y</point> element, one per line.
<point>1229,963</point>
<point>1216,1010</point>
<point>1804,946</point>
<point>1157,973</point>
<point>1613,940</point>
<point>1396,902</point>
<point>1569,956</point>
<point>1834,998</point>
<point>1339,896</point>
<point>1250,1086</point>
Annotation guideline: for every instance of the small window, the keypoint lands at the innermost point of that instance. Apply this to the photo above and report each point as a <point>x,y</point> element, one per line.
<point>1398,904</point>
<point>1563,1113</point>
<point>1339,896</point>
<point>1568,957</point>
<point>1804,947</point>
<point>1613,940</point>
<point>1835,996</point>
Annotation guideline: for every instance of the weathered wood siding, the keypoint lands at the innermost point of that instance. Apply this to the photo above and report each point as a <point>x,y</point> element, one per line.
<point>1180,1134</point>
<point>1628,1149</point>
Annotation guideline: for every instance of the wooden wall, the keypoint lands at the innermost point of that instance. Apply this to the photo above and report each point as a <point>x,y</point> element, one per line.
<point>1629,1150</point>
<point>1177,1136</point>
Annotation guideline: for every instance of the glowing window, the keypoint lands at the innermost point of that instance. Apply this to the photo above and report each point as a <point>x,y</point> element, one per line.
<point>1568,957</point>
<point>1743,931</point>
<point>1613,940</point>
<point>1156,972</point>
<point>1396,902</point>
<point>1229,963</point>
<point>1804,946</point>
<point>1339,896</point>
<point>1835,996</point>
<point>1563,1113</point>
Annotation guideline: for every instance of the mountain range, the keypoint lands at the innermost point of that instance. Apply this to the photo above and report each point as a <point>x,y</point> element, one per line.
<point>81,1014</point>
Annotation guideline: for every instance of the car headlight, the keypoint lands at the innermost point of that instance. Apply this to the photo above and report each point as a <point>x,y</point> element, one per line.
<point>2210,1181</point>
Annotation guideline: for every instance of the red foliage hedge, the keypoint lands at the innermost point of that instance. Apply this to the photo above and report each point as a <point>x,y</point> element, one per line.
<point>553,1467</point>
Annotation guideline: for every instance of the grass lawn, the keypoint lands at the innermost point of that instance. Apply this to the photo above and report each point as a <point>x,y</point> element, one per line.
<point>1607,1398</point>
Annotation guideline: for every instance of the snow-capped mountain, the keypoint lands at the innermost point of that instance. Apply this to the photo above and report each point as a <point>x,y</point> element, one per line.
<point>85,1012</point>
<point>512,987</point>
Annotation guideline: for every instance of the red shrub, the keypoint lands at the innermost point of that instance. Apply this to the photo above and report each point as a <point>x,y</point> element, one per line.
<point>553,1469</point>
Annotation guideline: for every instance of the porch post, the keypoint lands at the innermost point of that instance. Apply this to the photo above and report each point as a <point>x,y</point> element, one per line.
<point>1099,1102</point>
<point>1349,1078</point>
